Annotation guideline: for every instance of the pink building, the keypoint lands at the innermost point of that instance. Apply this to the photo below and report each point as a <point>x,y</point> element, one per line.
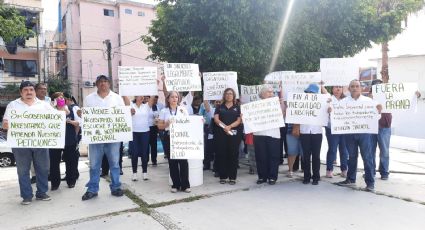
<point>83,29</point>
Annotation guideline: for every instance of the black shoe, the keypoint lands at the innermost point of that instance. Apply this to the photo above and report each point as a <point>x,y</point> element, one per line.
<point>154,164</point>
<point>306,181</point>
<point>43,197</point>
<point>103,175</point>
<point>346,183</point>
<point>315,182</point>
<point>260,181</point>
<point>54,188</point>
<point>272,182</point>
<point>117,192</point>
<point>222,181</point>
<point>89,195</point>
<point>71,185</point>
<point>121,172</point>
<point>232,182</point>
<point>33,180</point>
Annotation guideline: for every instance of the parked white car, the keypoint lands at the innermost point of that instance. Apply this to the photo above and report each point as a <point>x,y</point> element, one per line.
<point>6,156</point>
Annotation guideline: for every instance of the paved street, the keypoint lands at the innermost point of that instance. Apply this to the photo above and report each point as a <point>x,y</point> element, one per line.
<point>398,203</point>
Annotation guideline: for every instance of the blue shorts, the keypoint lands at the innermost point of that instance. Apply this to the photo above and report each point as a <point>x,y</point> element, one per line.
<point>294,145</point>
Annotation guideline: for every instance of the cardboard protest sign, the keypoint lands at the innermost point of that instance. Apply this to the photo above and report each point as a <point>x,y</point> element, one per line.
<point>307,108</point>
<point>354,117</point>
<point>396,97</point>
<point>216,82</point>
<point>187,137</point>
<point>36,129</point>
<point>298,82</point>
<point>262,115</point>
<point>339,71</point>
<point>278,75</point>
<point>137,81</point>
<point>106,125</point>
<point>250,93</point>
<point>182,77</point>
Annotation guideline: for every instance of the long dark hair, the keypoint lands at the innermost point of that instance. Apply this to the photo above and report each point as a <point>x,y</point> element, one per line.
<point>234,95</point>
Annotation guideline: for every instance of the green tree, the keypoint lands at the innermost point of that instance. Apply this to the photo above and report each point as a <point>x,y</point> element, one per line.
<point>12,24</point>
<point>387,17</point>
<point>57,83</point>
<point>239,35</point>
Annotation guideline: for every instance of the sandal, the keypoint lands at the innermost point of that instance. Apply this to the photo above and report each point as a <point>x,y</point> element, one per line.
<point>222,181</point>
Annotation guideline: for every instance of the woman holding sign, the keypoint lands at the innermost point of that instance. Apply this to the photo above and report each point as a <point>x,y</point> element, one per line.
<point>140,145</point>
<point>267,148</point>
<point>179,168</point>
<point>227,138</point>
<point>311,141</point>
<point>58,102</point>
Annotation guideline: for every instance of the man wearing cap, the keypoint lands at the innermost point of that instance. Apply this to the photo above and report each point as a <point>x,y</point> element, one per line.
<point>355,141</point>
<point>24,156</point>
<point>104,97</point>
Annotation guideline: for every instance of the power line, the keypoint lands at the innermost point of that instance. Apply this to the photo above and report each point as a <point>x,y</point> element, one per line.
<point>137,39</point>
<point>144,59</point>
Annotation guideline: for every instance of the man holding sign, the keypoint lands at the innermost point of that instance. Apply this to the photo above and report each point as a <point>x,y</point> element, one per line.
<point>104,97</point>
<point>24,156</point>
<point>355,140</point>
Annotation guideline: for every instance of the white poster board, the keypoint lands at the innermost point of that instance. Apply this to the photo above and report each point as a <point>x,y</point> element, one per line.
<point>276,85</point>
<point>137,81</point>
<point>187,137</point>
<point>106,125</point>
<point>339,71</point>
<point>298,82</point>
<point>182,77</point>
<point>36,129</point>
<point>262,115</point>
<point>278,75</point>
<point>216,82</point>
<point>354,117</point>
<point>308,109</point>
<point>396,97</point>
<point>250,93</point>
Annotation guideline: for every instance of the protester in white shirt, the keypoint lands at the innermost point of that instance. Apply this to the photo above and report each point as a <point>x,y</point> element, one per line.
<point>179,169</point>
<point>25,156</point>
<point>311,142</point>
<point>103,97</point>
<point>140,145</point>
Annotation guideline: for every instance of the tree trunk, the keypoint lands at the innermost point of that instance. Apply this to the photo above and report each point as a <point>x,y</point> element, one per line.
<point>384,70</point>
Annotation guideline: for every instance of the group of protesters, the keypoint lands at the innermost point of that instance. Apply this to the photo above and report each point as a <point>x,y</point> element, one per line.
<point>223,134</point>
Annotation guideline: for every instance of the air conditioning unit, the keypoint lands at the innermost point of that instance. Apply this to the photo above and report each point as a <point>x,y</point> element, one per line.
<point>89,84</point>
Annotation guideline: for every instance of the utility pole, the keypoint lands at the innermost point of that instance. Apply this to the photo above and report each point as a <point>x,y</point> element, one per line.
<point>108,52</point>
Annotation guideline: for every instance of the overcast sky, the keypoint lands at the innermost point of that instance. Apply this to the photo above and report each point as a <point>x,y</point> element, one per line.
<point>410,41</point>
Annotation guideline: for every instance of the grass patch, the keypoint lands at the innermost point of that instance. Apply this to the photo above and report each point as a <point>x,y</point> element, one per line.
<point>185,200</point>
<point>143,206</point>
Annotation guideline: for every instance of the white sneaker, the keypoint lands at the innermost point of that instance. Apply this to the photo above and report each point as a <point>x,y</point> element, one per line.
<point>173,190</point>
<point>187,190</point>
<point>145,176</point>
<point>134,177</point>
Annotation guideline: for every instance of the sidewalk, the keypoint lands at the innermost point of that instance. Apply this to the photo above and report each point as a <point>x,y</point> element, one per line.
<point>246,205</point>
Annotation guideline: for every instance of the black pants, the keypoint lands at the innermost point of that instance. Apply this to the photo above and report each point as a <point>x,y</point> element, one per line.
<point>153,136</point>
<point>267,157</point>
<point>105,163</point>
<point>311,144</point>
<point>71,158</point>
<point>179,169</point>
<point>208,149</point>
<point>283,147</point>
<point>227,154</point>
<point>55,156</point>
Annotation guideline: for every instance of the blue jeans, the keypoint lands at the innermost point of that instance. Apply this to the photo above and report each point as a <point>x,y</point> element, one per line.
<point>96,152</point>
<point>353,142</point>
<point>24,157</point>
<point>335,141</point>
<point>383,140</point>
